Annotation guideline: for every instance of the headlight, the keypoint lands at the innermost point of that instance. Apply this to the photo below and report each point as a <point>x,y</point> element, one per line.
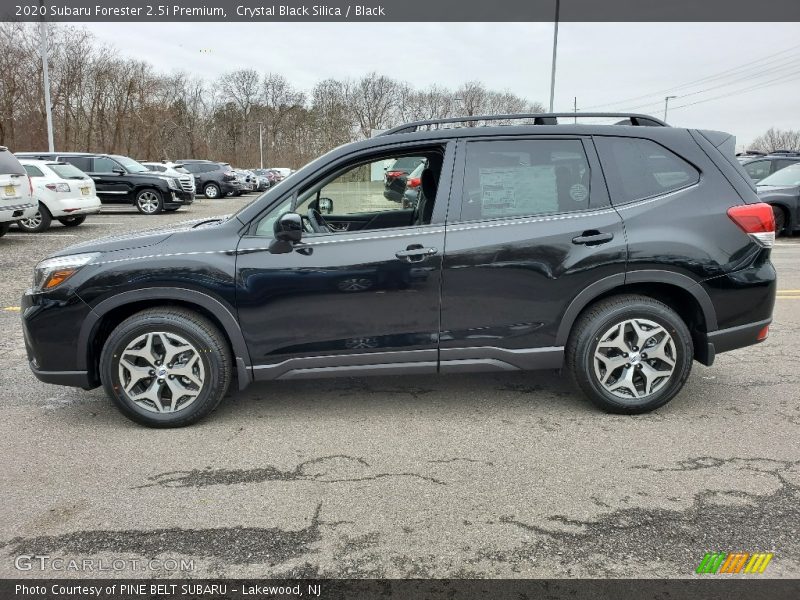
<point>52,272</point>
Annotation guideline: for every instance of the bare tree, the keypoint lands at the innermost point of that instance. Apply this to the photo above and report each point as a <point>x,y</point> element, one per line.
<point>777,139</point>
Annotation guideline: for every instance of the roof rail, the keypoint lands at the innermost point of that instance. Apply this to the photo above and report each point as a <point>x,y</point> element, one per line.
<point>786,152</point>
<point>538,119</point>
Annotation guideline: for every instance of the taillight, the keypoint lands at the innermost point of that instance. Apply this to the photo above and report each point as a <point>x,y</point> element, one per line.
<point>394,174</point>
<point>30,184</point>
<point>414,182</point>
<point>58,187</point>
<point>756,220</point>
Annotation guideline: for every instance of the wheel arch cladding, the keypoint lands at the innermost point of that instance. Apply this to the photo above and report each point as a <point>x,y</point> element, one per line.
<point>681,293</point>
<point>109,313</point>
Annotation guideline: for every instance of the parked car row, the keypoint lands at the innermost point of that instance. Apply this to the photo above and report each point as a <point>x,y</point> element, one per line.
<point>777,179</point>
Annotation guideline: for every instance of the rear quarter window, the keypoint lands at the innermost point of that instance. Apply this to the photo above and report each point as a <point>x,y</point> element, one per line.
<point>637,169</point>
<point>9,165</point>
<point>84,163</point>
<point>33,171</point>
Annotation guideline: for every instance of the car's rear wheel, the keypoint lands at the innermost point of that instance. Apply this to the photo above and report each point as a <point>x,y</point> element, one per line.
<point>72,221</point>
<point>149,202</point>
<point>211,191</point>
<point>630,354</point>
<point>38,222</point>
<point>166,367</point>
<point>780,220</point>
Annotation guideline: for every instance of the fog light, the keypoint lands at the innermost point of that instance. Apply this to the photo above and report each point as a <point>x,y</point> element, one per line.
<point>762,335</point>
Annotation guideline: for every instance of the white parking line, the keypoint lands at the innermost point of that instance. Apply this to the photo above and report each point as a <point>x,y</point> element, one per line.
<point>45,235</point>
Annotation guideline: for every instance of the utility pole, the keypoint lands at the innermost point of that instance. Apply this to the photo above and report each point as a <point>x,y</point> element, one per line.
<point>46,77</point>
<point>261,142</point>
<point>575,108</point>
<point>555,51</point>
<point>666,105</point>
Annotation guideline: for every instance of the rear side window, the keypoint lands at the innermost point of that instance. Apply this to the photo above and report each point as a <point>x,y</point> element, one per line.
<point>9,165</point>
<point>82,162</point>
<point>519,178</point>
<point>33,171</point>
<point>637,168</point>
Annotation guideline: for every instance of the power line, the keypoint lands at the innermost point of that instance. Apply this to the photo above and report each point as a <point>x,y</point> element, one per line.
<point>784,79</point>
<point>719,75</point>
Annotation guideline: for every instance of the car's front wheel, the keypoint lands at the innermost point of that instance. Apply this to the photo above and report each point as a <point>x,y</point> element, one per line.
<point>38,222</point>
<point>149,202</point>
<point>166,367</point>
<point>630,354</point>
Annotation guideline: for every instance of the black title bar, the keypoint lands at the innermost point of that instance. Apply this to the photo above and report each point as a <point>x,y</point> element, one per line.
<point>161,11</point>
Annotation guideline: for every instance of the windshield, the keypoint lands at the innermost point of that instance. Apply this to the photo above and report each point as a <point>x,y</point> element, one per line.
<point>68,171</point>
<point>787,176</point>
<point>131,165</point>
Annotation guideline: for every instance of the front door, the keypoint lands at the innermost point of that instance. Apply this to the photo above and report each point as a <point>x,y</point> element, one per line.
<point>360,293</point>
<point>112,186</point>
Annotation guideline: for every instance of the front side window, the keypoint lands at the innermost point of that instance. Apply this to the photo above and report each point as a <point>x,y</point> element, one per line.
<point>391,191</point>
<point>517,178</point>
<point>131,165</point>
<point>637,168</point>
<point>105,165</point>
<point>33,171</point>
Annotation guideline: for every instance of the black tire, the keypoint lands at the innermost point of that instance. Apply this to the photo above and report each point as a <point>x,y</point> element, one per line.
<point>38,222</point>
<point>780,220</point>
<point>149,201</point>
<point>211,348</point>
<point>72,221</point>
<point>173,209</point>
<point>212,191</point>
<point>4,227</point>
<point>600,318</point>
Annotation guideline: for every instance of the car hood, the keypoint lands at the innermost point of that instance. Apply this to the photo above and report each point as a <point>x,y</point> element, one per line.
<point>129,241</point>
<point>777,190</point>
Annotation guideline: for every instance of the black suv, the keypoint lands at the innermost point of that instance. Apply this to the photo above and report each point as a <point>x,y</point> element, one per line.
<point>122,180</point>
<point>621,252</point>
<point>214,180</point>
<point>759,166</point>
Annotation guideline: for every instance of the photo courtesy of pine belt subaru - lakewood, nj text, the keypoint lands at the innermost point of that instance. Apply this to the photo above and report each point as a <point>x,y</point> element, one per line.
<point>621,252</point>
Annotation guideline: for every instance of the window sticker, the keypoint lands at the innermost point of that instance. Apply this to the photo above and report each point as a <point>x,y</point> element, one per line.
<point>518,190</point>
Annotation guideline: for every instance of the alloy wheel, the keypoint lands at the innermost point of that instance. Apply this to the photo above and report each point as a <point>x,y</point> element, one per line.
<point>32,222</point>
<point>161,372</point>
<point>148,201</point>
<point>634,358</point>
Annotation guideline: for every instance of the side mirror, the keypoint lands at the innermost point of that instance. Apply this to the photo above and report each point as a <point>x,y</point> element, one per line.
<point>325,206</point>
<point>118,171</point>
<point>288,231</point>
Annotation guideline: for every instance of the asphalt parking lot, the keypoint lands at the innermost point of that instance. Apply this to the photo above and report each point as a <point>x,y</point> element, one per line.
<point>511,475</point>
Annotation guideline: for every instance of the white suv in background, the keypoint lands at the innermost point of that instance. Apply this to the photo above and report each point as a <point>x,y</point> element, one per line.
<point>63,191</point>
<point>176,170</point>
<point>16,191</point>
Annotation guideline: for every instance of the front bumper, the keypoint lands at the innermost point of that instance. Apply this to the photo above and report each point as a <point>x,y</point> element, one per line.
<point>51,327</point>
<point>178,198</point>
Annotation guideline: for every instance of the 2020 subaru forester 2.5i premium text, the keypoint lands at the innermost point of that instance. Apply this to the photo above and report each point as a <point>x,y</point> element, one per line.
<point>622,252</point>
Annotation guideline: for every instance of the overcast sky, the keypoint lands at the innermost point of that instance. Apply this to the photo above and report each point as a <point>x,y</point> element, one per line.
<point>608,66</point>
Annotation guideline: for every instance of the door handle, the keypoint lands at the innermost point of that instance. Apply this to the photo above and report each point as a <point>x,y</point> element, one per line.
<point>593,238</point>
<point>415,253</point>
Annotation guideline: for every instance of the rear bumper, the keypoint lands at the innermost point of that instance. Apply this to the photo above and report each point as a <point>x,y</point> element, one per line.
<point>16,212</point>
<point>723,340</point>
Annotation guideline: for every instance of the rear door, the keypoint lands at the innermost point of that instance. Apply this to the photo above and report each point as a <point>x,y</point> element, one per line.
<point>534,229</point>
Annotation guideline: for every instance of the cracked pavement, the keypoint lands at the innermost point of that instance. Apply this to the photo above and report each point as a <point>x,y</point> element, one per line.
<point>485,475</point>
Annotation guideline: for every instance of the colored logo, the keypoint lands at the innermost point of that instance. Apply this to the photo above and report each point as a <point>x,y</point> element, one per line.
<point>734,562</point>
